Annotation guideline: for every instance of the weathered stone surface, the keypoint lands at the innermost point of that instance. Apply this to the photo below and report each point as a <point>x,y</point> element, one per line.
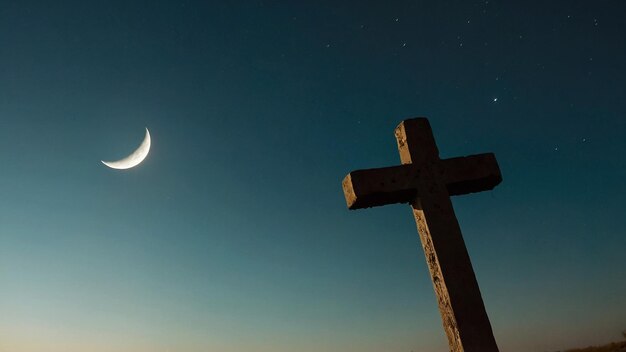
<point>375,187</point>
<point>398,184</point>
<point>470,174</point>
<point>426,182</point>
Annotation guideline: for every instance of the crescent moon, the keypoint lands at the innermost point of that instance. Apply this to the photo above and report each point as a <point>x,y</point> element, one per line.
<point>133,159</point>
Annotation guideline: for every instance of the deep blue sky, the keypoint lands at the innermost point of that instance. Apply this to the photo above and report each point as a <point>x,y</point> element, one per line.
<point>233,235</point>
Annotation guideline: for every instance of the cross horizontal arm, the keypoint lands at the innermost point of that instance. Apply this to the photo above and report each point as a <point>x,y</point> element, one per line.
<point>398,184</point>
<point>470,174</point>
<point>376,187</point>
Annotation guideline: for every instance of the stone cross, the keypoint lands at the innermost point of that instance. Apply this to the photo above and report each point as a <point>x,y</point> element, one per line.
<point>426,183</point>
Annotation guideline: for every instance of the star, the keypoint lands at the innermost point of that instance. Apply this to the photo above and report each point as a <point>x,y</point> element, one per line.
<point>495,100</point>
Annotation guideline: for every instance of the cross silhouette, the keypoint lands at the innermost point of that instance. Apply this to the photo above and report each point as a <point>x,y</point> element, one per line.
<point>426,182</point>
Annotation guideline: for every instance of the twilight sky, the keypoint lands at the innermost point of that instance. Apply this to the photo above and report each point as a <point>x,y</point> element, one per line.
<point>233,235</point>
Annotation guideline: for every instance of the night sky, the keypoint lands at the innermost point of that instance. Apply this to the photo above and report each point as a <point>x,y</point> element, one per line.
<point>233,235</point>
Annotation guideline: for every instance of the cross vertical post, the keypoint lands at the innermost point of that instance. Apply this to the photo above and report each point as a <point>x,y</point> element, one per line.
<point>426,182</point>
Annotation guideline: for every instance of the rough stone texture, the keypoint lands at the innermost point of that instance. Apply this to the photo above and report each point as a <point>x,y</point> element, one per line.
<point>375,187</point>
<point>398,184</point>
<point>426,182</point>
<point>470,174</point>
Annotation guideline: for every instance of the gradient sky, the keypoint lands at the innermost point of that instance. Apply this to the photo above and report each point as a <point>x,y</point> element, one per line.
<point>233,235</point>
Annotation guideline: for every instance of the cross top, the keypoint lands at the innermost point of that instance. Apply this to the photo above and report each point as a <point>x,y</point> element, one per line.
<point>419,154</point>
<point>426,182</point>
